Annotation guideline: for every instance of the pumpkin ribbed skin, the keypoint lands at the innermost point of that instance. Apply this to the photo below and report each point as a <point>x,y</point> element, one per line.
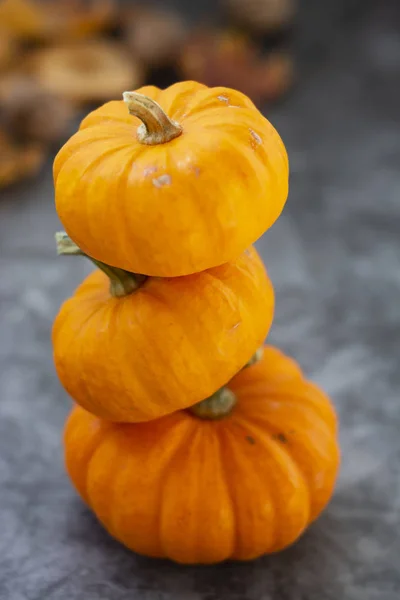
<point>164,347</point>
<point>199,491</point>
<point>179,207</point>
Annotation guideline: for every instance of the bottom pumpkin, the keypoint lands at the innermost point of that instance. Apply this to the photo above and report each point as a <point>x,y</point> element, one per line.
<point>198,490</point>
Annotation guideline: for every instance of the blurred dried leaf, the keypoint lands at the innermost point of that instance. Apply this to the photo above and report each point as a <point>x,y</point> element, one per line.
<point>29,113</point>
<point>277,71</point>
<point>86,71</point>
<point>22,18</point>
<point>261,16</point>
<point>46,20</point>
<point>8,49</point>
<point>230,59</point>
<point>154,35</point>
<point>69,19</point>
<point>18,162</point>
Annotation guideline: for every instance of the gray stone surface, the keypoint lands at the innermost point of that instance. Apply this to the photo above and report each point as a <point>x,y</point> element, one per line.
<point>334,258</point>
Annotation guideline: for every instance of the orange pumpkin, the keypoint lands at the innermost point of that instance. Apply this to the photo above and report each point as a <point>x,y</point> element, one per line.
<point>164,346</point>
<point>190,188</point>
<point>198,490</point>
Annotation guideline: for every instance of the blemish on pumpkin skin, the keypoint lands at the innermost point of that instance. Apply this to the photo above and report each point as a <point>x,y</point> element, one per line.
<point>159,182</point>
<point>250,439</point>
<point>150,170</point>
<point>235,326</point>
<point>223,99</point>
<point>257,139</point>
<point>196,171</point>
<point>281,437</point>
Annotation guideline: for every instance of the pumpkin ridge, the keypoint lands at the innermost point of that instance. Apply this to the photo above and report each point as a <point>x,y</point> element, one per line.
<point>226,460</point>
<point>178,423</point>
<point>304,403</point>
<point>319,427</point>
<point>233,449</point>
<point>193,429</point>
<point>139,380</point>
<point>66,313</point>
<point>280,146</point>
<point>190,97</point>
<point>113,316</point>
<point>101,132</point>
<point>162,97</point>
<point>325,405</point>
<point>92,208</point>
<point>123,206</point>
<point>91,454</point>
<point>258,428</point>
<point>164,300</point>
<point>285,402</point>
<point>112,474</point>
<point>248,274</point>
<point>214,428</point>
<point>225,290</point>
<point>212,94</point>
<point>241,303</point>
<point>73,421</point>
<point>220,287</point>
<point>274,168</point>
<point>219,120</point>
<point>78,182</point>
<point>263,159</point>
<point>239,98</point>
<point>246,383</point>
<point>77,145</point>
<point>229,126</point>
<point>203,224</point>
<point>86,299</point>
<point>247,156</point>
<point>105,122</point>
<point>83,327</point>
<point>66,154</point>
<point>252,390</point>
<point>233,301</point>
<point>109,111</point>
<point>313,514</point>
<point>82,149</point>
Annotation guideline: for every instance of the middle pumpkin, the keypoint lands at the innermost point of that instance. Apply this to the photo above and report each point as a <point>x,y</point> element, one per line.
<point>165,345</point>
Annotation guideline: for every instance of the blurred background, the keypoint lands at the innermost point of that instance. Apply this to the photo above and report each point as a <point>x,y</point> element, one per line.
<point>60,58</point>
<point>327,74</point>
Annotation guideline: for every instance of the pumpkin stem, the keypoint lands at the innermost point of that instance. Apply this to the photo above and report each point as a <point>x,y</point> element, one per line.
<point>217,406</point>
<point>255,358</point>
<point>223,401</point>
<point>122,282</point>
<point>157,127</point>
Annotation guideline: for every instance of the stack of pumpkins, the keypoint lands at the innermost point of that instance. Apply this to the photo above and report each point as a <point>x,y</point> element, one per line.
<point>187,440</point>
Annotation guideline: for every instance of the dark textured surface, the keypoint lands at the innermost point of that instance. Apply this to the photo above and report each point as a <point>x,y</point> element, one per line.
<point>334,258</point>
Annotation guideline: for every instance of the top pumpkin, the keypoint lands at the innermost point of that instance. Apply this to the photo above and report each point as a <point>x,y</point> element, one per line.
<point>175,194</point>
